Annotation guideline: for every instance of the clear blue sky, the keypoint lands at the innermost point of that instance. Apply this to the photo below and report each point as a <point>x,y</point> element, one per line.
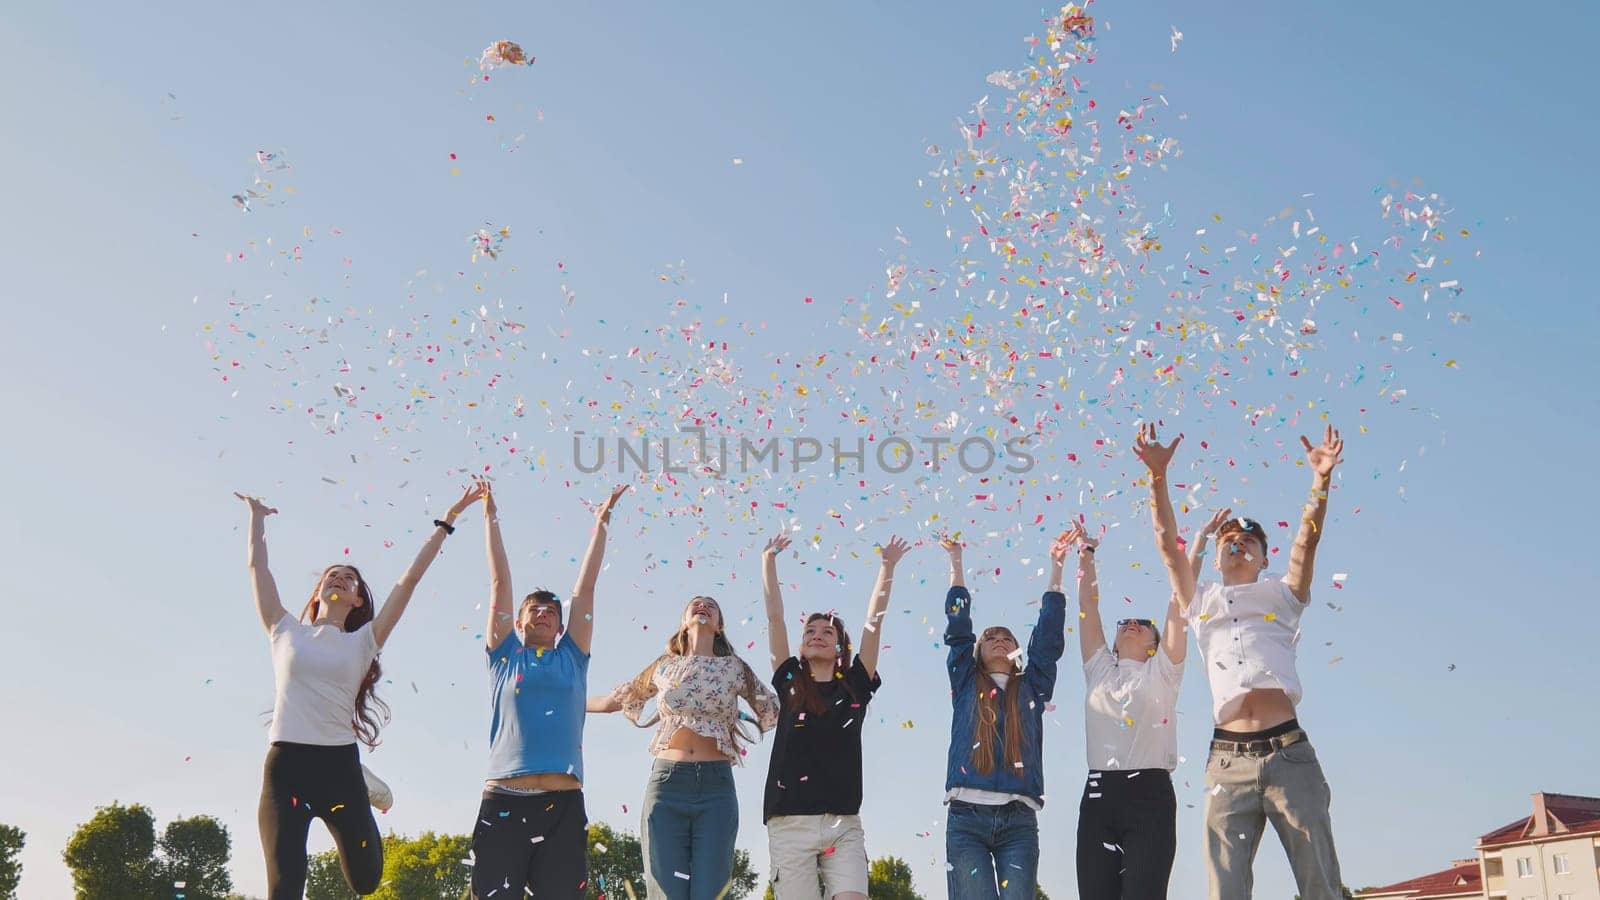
<point>133,666</point>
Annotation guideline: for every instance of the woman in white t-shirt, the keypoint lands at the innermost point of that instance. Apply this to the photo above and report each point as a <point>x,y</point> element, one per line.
<point>325,665</point>
<point>1127,819</point>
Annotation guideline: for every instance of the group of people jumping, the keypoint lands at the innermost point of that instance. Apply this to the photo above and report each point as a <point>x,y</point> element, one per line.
<point>530,837</point>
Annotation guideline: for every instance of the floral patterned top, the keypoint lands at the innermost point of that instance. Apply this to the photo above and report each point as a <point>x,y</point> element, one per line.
<point>700,693</point>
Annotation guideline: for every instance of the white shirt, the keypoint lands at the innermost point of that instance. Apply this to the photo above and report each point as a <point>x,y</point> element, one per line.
<point>991,798</point>
<point>1130,711</point>
<point>1246,634</point>
<point>318,670</point>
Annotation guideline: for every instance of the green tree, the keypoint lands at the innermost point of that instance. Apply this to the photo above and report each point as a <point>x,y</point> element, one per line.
<point>11,840</point>
<point>622,860</point>
<point>744,876</point>
<point>195,851</point>
<point>427,867</point>
<point>614,857</point>
<point>112,856</point>
<point>1038,893</point>
<point>890,878</point>
<point>325,879</point>
<point>325,874</point>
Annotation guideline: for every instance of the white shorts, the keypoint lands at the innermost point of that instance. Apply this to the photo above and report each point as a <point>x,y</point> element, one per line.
<point>806,847</point>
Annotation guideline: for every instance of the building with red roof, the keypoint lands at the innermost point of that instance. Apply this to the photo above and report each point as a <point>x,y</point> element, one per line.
<point>1551,854</point>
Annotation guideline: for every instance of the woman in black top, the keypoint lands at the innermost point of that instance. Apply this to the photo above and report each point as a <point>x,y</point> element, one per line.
<point>813,796</point>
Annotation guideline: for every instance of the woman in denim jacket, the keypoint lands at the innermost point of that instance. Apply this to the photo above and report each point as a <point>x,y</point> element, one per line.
<point>994,779</point>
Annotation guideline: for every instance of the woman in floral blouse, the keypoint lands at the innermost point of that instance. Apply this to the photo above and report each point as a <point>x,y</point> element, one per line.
<point>691,815</point>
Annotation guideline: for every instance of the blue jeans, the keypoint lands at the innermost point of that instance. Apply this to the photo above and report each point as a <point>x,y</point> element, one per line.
<point>993,851</point>
<point>688,825</point>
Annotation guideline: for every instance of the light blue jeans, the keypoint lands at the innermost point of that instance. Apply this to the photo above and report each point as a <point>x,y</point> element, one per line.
<point>688,825</point>
<point>993,851</point>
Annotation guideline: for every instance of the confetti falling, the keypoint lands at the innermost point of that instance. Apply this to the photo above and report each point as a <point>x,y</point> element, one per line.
<point>987,380</point>
<point>503,53</point>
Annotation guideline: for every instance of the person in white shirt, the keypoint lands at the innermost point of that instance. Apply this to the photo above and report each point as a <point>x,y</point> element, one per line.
<point>1262,767</point>
<point>1128,817</point>
<point>325,666</point>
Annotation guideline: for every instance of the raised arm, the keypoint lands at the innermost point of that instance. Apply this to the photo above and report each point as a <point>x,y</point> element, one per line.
<point>1302,557</point>
<point>580,624</point>
<point>502,603</point>
<point>1156,457</point>
<point>1049,638</point>
<point>268,606</point>
<point>1091,631</point>
<point>394,607</point>
<point>871,630</point>
<point>777,632</point>
<point>958,634</point>
<point>953,549</point>
<point>1197,547</point>
<point>1175,635</point>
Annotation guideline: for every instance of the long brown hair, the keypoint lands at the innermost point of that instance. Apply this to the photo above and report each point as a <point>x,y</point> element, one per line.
<point>678,645</point>
<point>371,712</point>
<point>803,695</point>
<point>986,712</point>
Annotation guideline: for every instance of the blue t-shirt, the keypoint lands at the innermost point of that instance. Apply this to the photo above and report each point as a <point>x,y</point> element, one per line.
<point>536,704</point>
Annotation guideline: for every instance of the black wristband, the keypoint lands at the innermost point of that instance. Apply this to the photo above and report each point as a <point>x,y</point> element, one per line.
<point>1086,549</point>
<point>448,528</point>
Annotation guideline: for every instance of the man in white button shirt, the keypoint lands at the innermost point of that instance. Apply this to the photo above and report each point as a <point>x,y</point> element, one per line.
<point>1262,767</point>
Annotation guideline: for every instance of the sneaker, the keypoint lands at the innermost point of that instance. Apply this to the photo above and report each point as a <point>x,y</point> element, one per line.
<point>378,793</point>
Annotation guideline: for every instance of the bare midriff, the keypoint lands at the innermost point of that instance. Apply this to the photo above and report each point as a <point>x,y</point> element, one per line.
<point>1259,710</point>
<point>541,781</point>
<point>688,745</point>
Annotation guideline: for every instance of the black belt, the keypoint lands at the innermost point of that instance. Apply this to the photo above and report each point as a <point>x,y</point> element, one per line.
<point>1261,747</point>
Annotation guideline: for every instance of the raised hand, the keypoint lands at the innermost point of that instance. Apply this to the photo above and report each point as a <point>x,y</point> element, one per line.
<point>1058,550</point>
<point>1326,455</point>
<point>776,544</point>
<point>490,510</point>
<point>952,547</point>
<point>474,492</point>
<point>1215,522</point>
<point>1151,451</point>
<point>603,514</point>
<point>894,550</point>
<point>257,506</point>
<point>1079,537</point>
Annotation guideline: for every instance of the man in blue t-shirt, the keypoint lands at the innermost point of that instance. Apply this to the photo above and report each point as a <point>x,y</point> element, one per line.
<point>531,834</point>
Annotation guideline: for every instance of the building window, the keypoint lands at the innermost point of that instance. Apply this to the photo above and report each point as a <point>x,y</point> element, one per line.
<point>1563,897</point>
<point>1525,867</point>
<point>1562,868</point>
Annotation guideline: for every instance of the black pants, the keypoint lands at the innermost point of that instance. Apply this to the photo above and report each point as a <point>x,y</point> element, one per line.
<point>531,846</point>
<point>301,782</point>
<point>1127,835</point>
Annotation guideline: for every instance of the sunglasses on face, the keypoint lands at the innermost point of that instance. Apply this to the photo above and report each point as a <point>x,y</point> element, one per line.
<point>1143,623</point>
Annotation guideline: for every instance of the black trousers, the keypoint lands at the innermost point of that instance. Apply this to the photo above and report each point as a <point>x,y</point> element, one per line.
<point>531,846</point>
<point>301,782</point>
<point>1127,835</point>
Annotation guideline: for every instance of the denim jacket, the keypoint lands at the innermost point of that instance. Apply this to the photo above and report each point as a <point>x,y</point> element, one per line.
<point>1045,646</point>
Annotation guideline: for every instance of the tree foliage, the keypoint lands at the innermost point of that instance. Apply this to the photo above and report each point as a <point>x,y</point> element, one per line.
<point>194,853</point>
<point>11,840</point>
<point>112,856</point>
